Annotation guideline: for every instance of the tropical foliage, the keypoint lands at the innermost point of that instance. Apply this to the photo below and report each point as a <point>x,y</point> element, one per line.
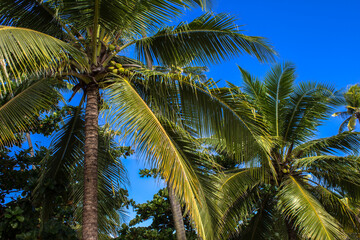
<point>84,42</point>
<point>294,186</point>
<point>352,113</point>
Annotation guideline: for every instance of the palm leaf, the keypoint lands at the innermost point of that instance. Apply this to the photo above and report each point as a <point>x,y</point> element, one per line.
<point>28,51</point>
<point>339,207</point>
<point>64,169</point>
<point>19,111</point>
<point>347,142</point>
<point>153,141</point>
<point>33,14</point>
<point>306,213</point>
<point>208,39</point>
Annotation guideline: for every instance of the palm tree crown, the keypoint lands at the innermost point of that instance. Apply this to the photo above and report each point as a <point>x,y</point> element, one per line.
<point>292,186</point>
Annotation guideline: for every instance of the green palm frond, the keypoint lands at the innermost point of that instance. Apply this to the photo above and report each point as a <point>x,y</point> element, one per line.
<point>339,206</point>
<point>37,15</point>
<point>28,51</point>
<point>212,111</point>
<point>307,214</point>
<point>344,124</point>
<point>240,193</point>
<point>19,110</point>
<point>309,105</point>
<point>208,39</point>
<point>157,144</point>
<point>129,16</point>
<point>347,142</point>
<point>265,223</point>
<point>334,172</point>
<point>279,85</point>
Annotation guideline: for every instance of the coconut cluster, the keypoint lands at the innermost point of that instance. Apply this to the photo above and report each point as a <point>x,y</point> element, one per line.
<point>116,68</point>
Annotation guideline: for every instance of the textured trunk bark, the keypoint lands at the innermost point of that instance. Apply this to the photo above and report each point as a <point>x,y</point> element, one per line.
<point>177,214</point>
<point>90,224</point>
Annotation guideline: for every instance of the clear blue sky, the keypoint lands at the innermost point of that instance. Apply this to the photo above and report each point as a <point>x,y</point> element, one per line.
<point>320,37</point>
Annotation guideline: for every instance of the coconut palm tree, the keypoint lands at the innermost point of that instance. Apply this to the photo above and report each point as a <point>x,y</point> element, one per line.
<point>352,113</point>
<point>83,41</point>
<point>295,187</point>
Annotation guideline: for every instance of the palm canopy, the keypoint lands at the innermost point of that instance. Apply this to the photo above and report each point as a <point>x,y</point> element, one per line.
<point>299,186</point>
<point>352,113</point>
<point>85,42</point>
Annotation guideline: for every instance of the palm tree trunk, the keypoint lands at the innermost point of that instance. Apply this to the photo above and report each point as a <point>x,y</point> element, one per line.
<point>90,224</point>
<point>178,217</point>
<point>28,139</point>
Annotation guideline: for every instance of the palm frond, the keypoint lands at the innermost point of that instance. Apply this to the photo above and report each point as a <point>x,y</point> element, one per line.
<point>19,110</point>
<point>208,39</point>
<point>334,172</point>
<point>240,196</point>
<point>64,169</point>
<point>28,51</point>
<point>344,124</point>
<point>66,152</point>
<point>347,142</point>
<point>128,16</point>
<point>33,14</point>
<point>339,207</point>
<point>306,213</point>
<point>155,142</point>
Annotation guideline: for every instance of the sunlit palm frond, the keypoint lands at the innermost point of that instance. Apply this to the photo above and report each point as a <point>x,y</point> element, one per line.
<point>160,148</point>
<point>212,111</point>
<point>208,39</point>
<point>19,111</point>
<point>339,206</point>
<point>28,51</point>
<point>306,213</point>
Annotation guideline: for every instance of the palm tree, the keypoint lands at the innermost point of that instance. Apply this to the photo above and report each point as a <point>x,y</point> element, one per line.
<point>62,169</point>
<point>352,113</point>
<point>293,186</point>
<point>83,41</point>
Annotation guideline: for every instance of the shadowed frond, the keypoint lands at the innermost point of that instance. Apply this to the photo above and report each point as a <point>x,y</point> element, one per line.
<point>33,14</point>
<point>306,213</point>
<point>129,16</point>
<point>19,110</point>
